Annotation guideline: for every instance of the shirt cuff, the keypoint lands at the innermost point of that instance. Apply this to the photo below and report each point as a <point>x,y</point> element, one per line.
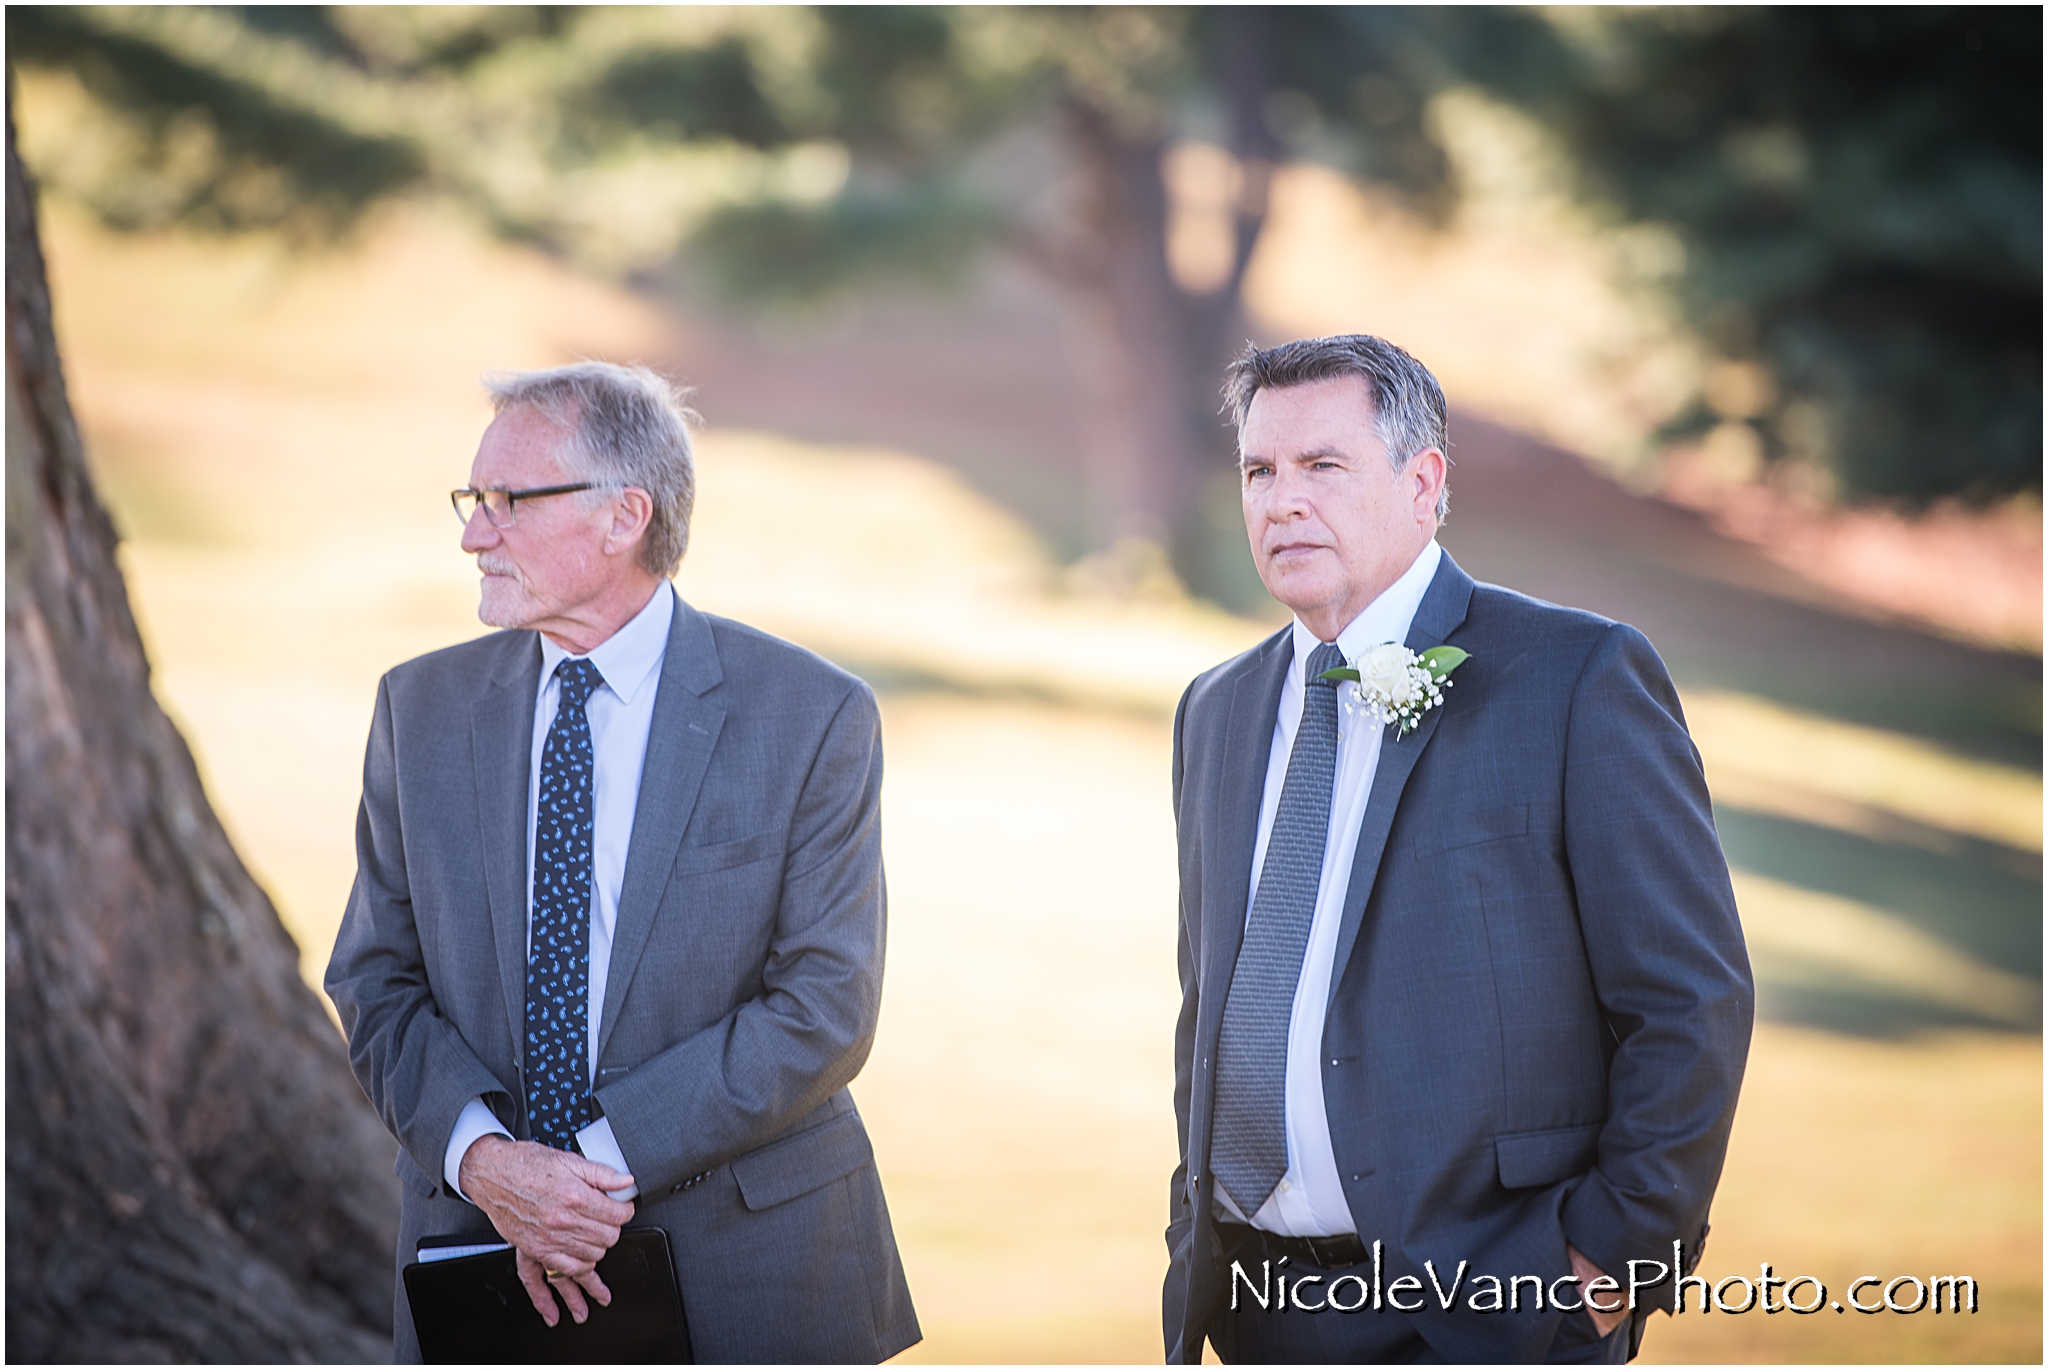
<point>598,1144</point>
<point>475,1121</point>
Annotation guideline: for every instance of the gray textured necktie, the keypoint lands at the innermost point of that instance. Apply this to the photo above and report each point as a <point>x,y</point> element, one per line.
<point>1248,1148</point>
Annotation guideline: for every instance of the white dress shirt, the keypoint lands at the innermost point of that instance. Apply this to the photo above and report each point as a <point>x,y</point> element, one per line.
<point>1309,1201</point>
<point>621,712</point>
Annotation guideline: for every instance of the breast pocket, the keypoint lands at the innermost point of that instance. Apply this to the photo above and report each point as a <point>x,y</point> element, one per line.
<point>1470,829</point>
<point>724,856</point>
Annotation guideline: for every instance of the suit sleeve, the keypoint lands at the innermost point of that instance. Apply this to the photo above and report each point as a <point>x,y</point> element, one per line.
<point>1666,953</point>
<point>411,1061</point>
<point>806,1034</point>
<point>1180,1211</point>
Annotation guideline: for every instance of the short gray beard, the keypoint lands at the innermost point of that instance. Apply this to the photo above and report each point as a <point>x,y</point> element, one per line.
<point>484,612</point>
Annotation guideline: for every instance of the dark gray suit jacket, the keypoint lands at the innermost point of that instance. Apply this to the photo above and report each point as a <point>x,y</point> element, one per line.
<point>746,971</point>
<point>1541,1004</point>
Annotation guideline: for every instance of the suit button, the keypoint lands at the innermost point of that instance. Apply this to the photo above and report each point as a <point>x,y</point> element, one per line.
<point>675,1189</point>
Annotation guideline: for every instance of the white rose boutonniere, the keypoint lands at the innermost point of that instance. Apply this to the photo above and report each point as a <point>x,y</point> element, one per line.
<point>1391,684</point>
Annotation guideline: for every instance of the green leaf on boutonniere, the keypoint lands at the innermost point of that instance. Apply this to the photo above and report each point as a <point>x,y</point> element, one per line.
<point>1441,661</point>
<point>1394,684</point>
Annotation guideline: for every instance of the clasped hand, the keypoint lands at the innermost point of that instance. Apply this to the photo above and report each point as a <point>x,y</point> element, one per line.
<point>552,1207</point>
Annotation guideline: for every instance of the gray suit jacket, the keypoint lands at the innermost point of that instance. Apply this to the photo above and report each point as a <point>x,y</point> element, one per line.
<point>746,971</point>
<point>1541,1004</point>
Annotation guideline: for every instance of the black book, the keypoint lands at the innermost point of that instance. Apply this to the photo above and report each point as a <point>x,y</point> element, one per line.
<point>474,1309</point>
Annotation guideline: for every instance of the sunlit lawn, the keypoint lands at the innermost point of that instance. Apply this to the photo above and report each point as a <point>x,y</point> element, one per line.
<point>278,441</point>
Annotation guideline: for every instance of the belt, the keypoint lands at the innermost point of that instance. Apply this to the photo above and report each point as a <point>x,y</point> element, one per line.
<point>1325,1253</point>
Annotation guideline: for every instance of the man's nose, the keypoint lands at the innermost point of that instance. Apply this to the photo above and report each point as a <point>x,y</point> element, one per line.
<point>480,534</point>
<point>1288,496</point>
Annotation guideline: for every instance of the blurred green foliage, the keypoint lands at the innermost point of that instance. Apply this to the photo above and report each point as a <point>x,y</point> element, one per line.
<point>936,97</point>
<point>926,231</point>
<point>674,93</point>
<point>1857,190</point>
<point>220,150</point>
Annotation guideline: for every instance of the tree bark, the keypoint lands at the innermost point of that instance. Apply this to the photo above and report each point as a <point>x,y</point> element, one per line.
<point>1152,352</point>
<point>1143,455</point>
<point>192,1173</point>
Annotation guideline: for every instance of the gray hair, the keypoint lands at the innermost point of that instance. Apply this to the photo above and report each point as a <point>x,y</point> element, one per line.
<point>626,426</point>
<point>1409,415</point>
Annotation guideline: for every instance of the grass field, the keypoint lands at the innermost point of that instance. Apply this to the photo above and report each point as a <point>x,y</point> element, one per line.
<point>276,440</point>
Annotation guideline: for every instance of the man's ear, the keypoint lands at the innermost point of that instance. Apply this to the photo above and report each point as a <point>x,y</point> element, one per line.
<point>1428,469</point>
<point>631,515</point>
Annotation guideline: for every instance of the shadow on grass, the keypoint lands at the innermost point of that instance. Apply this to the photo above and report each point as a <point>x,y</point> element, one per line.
<point>1981,899</point>
<point>896,677</point>
<point>1974,900</point>
<point>1863,1010</point>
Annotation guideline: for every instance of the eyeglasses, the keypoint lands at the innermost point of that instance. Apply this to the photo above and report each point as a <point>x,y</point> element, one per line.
<point>501,506</point>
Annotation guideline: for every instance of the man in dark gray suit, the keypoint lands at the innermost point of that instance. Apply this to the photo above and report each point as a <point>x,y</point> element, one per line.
<point>1465,1000</point>
<point>614,948</point>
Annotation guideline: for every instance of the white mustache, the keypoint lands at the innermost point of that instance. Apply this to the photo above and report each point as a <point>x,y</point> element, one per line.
<point>493,566</point>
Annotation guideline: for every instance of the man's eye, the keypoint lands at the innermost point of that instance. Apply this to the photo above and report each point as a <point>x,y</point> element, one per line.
<point>1254,472</point>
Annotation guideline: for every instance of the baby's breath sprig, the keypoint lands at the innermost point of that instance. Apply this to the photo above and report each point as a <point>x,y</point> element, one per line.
<point>1391,684</point>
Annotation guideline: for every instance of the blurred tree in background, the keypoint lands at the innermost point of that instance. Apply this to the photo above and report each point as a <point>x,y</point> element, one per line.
<point>1856,191</point>
<point>793,155</point>
<point>1046,134</point>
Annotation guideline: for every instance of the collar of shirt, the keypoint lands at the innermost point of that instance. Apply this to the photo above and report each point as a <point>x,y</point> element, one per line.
<point>628,659</point>
<point>1386,619</point>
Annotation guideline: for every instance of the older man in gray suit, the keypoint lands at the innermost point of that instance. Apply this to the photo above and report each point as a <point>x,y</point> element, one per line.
<point>614,948</point>
<point>1465,1002</point>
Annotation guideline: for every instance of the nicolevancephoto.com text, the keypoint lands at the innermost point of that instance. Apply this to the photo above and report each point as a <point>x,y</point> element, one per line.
<point>1274,1288</point>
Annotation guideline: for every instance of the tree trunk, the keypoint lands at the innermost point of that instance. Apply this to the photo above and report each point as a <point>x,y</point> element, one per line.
<point>1153,353</point>
<point>192,1173</point>
<point>1143,453</point>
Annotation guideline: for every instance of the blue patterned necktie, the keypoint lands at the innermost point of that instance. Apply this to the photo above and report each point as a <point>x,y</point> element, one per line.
<point>1248,1151</point>
<point>558,966</point>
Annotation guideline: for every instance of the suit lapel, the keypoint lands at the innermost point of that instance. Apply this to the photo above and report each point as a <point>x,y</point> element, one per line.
<point>501,741</point>
<point>1442,609</point>
<point>679,744</point>
<point>1247,750</point>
